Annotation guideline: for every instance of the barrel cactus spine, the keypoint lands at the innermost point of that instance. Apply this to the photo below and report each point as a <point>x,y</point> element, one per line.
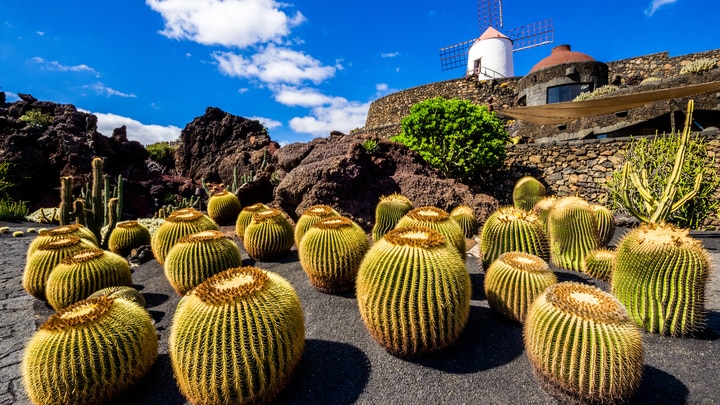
<point>438,220</point>
<point>269,235</point>
<point>606,223</point>
<point>128,235</point>
<point>465,217</point>
<point>309,217</point>
<point>509,229</point>
<point>237,337</point>
<point>583,346</point>
<point>527,192</point>
<point>60,232</point>
<point>124,292</point>
<point>573,232</point>
<point>599,264</point>
<point>89,352</point>
<point>223,207</point>
<point>245,217</point>
<point>331,252</point>
<point>197,256</point>
<point>388,212</point>
<point>413,291</point>
<point>181,222</point>
<point>542,209</point>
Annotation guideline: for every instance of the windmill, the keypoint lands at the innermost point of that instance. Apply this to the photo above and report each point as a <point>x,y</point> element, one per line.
<point>493,58</point>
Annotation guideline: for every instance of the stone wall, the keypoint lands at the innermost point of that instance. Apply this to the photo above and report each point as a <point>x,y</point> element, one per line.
<point>632,71</point>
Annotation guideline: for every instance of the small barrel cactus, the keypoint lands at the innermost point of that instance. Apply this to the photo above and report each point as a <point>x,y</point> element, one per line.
<point>309,217</point>
<point>269,235</point>
<point>126,236</point>
<point>438,220</point>
<point>223,207</point>
<point>237,337</point>
<point>573,232</point>
<point>660,275</point>
<point>181,222</point>
<point>510,229</point>
<point>514,280</point>
<point>527,192</point>
<point>582,344</point>
<point>197,256</point>
<point>58,233</point>
<point>331,252</point>
<point>89,352</point>
<point>124,292</point>
<point>542,209</point>
<point>388,212</point>
<point>413,291</point>
<point>245,217</point>
<point>82,273</point>
<point>606,224</point>
<point>465,217</point>
<point>599,264</point>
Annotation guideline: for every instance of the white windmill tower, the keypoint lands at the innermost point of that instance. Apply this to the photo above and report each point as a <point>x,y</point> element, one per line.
<point>490,55</point>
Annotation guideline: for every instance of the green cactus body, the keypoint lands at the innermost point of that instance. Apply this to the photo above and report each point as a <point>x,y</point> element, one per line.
<point>268,236</point>
<point>573,232</point>
<point>514,280</point>
<point>527,192</point>
<point>46,257</point>
<point>331,252</point>
<point>309,217</point>
<point>510,229</point>
<point>237,337</point>
<point>582,344</point>
<point>465,217</point>
<point>599,264</point>
<point>181,222</point>
<point>197,256</point>
<point>124,292</point>
<point>82,273</point>
<point>606,224</point>
<point>60,232</point>
<point>413,291</point>
<point>660,275</point>
<point>128,235</point>
<point>223,207</point>
<point>438,220</point>
<point>89,352</point>
<point>388,212</point>
<point>245,216</point>
<point>542,209</point>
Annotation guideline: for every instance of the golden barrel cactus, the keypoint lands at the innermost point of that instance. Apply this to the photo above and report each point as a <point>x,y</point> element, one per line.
<point>510,229</point>
<point>59,232</point>
<point>128,235</point>
<point>223,207</point>
<point>124,292</point>
<point>245,217</point>
<point>465,217</point>
<point>542,209</point>
<point>438,220</point>
<point>599,264</point>
<point>269,235</point>
<point>309,217</point>
<point>527,192</point>
<point>388,212</point>
<point>573,232</point>
<point>182,222</point>
<point>606,224</point>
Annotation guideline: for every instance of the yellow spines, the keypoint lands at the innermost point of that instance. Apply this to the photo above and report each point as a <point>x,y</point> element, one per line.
<point>509,229</point>
<point>599,264</point>
<point>128,235</point>
<point>245,217</point>
<point>465,217</point>
<point>180,223</point>
<point>388,212</point>
<point>527,192</point>
<point>309,217</point>
<point>59,232</point>
<point>542,209</point>
<point>606,224</point>
<point>573,232</point>
<point>124,292</point>
<point>269,235</point>
<point>438,220</point>
<point>223,207</point>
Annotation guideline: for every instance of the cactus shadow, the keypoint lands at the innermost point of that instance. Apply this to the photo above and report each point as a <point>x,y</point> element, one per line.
<point>157,387</point>
<point>659,387</point>
<point>712,327</point>
<point>478,286</point>
<point>328,373</point>
<point>154,299</point>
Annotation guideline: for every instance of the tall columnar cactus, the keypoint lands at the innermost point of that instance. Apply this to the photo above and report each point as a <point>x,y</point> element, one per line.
<point>510,229</point>
<point>79,275</point>
<point>60,232</point>
<point>269,235</point>
<point>388,212</point>
<point>309,217</point>
<point>89,352</point>
<point>438,220</point>
<point>465,217</point>
<point>245,217</point>
<point>514,280</point>
<point>223,207</point>
<point>237,337</point>
<point>198,256</point>
<point>331,252</point>
<point>599,264</point>
<point>527,192</point>
<point>127,236</point>
<point>413,291</point>
<point>542,209</point>
<point>660,275</point>
<point>582,344</point>
<point>573,232</point>
<point>124,292</point>
<point>606,223</point>
<point>46,257</point>
<point>182,222</point>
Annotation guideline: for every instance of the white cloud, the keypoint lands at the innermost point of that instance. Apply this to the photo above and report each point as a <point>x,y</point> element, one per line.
<point>230,23</point>
<point>381,87</point>
<point>55,65</point>
<point>341,115</point>
<point>136,130</point>
<point>303,97</point>
<point>100,88</point>
<point>40,33</point>
<point>655,5</point>
<point>269,123</point>
<point>389,54</point>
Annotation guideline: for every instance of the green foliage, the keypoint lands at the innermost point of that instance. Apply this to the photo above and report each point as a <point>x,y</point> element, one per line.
<point>370,145</point>
<point>36,118</point>
<point>457,137</point>
<point>13,211</point>
<point>161,152</point>
<point>5,184</point>
<point>698,66</point>
<point>599,92</point>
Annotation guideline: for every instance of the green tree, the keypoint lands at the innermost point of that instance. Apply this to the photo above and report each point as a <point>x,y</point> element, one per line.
<point>459,138</point>
<point>37,118</point>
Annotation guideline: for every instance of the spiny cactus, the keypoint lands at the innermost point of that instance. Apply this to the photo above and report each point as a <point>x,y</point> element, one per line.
<point>510,229</point>
<point>527,192</point>
<point>82,273</point>
<point>413,291</point>
<point>514,280</point>
<point>60,232</point>
<point>438,220</point>
<point>606,223</point>
<point>660,275</point>
<point>89,352</point>
<point>269,235</point>
<point>542,209</point>
<point>237,337</point>
<point>245,217</point>
<point>127,236</point>
<point>698,66</point>
<point>181,222</point>
<point>465,217</point>
<point>309,217</point>
<point>331,252</point>
<point>197,256</point>
<point>573,232</point>
<point>124,292</point>
<point>223,207</point>
<point>583,346</point>
<point>388,212</point>
<point>599,264</point>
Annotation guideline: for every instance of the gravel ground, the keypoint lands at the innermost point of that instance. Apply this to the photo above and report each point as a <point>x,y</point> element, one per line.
<point>341,363</point>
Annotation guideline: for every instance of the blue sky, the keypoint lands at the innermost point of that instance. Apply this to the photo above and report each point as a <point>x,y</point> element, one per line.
<point>302,67</point>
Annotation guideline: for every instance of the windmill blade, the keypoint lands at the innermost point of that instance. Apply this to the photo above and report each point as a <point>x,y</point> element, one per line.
<point>455,56</point>
<point>531,35</point>
<point>489,14</point>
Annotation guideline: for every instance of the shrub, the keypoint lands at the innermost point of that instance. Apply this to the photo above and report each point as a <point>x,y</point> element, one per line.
<point>457,137</point>
<point>599,92</point>
<point>36,118</point>
<point>13,211</point>
<point>5,184</point>
<point>163,153</point>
